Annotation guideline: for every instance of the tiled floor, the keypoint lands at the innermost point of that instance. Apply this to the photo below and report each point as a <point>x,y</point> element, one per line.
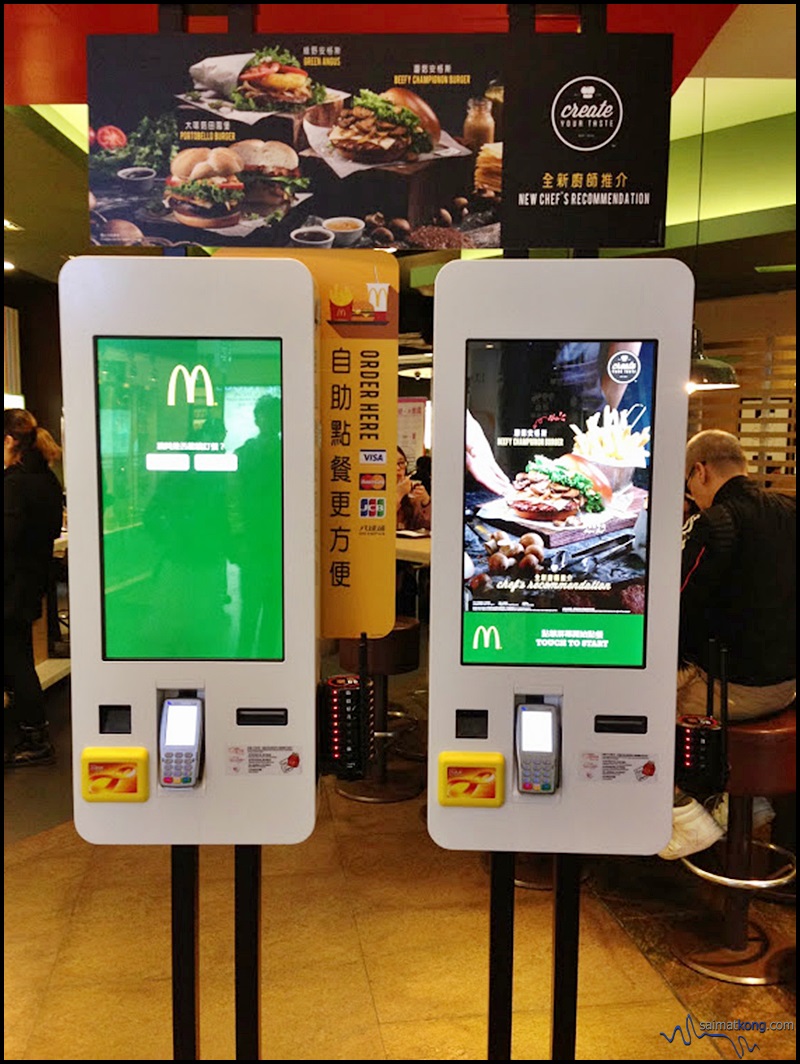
<point>374,942</point>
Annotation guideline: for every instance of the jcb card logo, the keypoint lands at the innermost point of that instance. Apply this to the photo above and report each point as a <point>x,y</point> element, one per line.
<point>190,384</point>
<point>586,113</point>
<point>487,634</point>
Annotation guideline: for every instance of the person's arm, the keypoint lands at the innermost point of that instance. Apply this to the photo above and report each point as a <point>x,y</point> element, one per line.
<point>481,461</point>
<point>421,501</point>
<point>708,549</point>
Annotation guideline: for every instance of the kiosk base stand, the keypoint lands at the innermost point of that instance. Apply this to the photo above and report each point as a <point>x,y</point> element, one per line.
<point>566,927</point>
<point>247,933</point>
<point>185,864</point>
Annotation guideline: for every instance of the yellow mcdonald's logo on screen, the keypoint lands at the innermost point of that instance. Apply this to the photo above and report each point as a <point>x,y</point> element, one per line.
<point>190,384</point>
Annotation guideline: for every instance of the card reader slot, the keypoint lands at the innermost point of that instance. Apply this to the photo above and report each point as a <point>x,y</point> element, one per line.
<point>620,723</point>
<point>262,716</point>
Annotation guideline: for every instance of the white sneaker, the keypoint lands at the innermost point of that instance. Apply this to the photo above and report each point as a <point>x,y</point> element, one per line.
<point>693,830</point>
<point>763,813</point>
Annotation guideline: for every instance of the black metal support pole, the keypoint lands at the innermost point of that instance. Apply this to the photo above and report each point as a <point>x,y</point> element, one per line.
<point>501,955</point>
<point>593,18</point>
<point>241,18</point>
<point>521,18</point>
<point>171,18</point>
<point>185,864</point>
<point>566,923</point>
<point>247,860</point>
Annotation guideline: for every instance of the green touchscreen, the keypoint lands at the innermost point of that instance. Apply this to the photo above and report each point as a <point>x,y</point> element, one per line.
<point>191,497</point>
<point>556,550</point>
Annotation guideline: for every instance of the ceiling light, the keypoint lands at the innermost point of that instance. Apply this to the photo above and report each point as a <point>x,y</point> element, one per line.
<point>11,227</point>
<point>708,374</point>
<point>8,266</point>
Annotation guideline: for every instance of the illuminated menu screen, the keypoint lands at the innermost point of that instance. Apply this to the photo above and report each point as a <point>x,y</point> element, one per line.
<point>191,494</point>
<point>556,491</point>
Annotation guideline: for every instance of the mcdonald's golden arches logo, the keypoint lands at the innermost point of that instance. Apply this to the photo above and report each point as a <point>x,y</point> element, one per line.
<point>190,384</point>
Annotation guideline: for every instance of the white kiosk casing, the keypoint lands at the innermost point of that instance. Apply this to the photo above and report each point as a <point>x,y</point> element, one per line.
<point>192,560</point>
<point>602,664</point>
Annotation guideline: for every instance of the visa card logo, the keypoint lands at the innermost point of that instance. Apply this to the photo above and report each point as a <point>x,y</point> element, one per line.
<point>372,457</point>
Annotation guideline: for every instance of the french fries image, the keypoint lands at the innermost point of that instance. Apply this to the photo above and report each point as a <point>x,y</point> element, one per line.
<point>610,437</point>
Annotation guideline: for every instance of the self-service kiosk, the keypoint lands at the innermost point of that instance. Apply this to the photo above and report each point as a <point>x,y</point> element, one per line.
<point>190,475</point>
<point>559,421</point>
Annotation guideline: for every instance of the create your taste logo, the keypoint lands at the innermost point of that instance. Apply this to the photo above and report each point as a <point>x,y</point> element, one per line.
<point>522,638</point>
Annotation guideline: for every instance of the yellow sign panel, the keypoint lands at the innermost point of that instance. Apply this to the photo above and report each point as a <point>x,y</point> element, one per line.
<point>358,299</point>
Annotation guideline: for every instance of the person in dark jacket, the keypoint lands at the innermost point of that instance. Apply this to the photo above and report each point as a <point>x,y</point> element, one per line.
<point>32,508</point>
<point>738,583</point>
<point>738,576</point>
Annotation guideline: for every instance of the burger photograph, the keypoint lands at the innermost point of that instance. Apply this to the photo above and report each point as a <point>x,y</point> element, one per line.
<point>251,140</point>
<point>270,174</point>
<point>204,190</point>
<point>386,127</point>
<point>274,80</point>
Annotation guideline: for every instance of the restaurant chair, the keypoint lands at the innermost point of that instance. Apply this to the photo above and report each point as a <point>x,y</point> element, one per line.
<point>762,762</point>
<point>395,653</point>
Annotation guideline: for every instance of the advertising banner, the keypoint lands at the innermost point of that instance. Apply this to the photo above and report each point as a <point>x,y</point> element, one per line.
<point>408,141</point>
<point>337,141</point>
<point>358,296</point>
<point>587,131</point>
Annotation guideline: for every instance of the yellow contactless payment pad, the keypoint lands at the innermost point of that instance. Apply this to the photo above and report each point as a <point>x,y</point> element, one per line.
<point>115,774</point>
<point>473,779</point>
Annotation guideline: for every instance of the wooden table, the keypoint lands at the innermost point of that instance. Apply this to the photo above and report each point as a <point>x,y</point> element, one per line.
<point>415,549</point>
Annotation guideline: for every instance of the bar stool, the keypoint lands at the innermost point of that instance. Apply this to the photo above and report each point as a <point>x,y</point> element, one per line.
<point>393,654</point>
<point>763,762</point>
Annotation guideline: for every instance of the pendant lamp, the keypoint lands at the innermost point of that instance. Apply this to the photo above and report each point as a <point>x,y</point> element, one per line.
<point>706,374</point>
<point>709,374</point>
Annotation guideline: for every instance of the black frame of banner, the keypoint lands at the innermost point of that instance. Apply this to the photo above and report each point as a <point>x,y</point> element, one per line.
<point>247,859</point>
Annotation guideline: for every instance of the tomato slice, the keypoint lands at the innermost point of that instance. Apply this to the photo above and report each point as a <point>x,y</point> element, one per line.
<point>260,70</point>
<point>111,138</point>
<point>92,137</point>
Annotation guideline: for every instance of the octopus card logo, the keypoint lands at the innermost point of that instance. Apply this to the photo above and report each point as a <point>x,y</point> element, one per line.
<point>586,113</point>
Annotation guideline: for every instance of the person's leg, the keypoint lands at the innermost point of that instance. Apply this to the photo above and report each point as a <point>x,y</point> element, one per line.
<point>744,702</point>
<point>32,746</point>
<point>693,827</point>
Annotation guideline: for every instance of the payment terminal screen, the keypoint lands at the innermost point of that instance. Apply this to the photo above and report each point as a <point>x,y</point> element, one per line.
<point>558,438</point>
<point>191,497</point>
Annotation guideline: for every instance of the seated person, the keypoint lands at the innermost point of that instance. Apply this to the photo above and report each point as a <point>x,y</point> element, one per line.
<point>413,499</point>
<point>738,574</point>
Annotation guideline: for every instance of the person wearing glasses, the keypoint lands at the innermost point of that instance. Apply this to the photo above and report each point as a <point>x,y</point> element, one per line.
<point>738,587</point>
<point>413,499</point>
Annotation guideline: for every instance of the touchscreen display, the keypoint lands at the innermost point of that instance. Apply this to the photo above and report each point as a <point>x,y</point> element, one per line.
<point>191,497</point>
<point>556,501</point>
